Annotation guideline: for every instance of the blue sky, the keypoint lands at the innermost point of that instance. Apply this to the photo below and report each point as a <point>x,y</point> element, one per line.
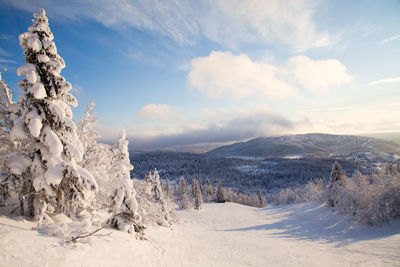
<point>194,74</point>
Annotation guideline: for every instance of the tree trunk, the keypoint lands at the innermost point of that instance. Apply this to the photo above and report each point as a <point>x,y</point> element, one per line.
<point>21,204</point>
<point>31,208</point>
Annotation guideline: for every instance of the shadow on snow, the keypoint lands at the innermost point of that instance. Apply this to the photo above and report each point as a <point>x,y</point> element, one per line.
<point>314,221</point>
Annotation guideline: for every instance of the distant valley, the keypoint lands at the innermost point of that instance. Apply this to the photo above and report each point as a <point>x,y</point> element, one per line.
<point>270,163</point>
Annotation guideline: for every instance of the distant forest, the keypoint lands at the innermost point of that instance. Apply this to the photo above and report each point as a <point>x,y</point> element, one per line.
<point>241,174</point>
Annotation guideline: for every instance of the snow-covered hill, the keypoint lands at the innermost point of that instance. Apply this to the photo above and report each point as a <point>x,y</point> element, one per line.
<point>308,145</point>
<point>218,235</point>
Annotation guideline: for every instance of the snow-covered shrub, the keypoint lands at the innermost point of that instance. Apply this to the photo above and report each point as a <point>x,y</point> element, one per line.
<point>231,196</point>
<point>371,199</point>
<point>220,195</point>
<point>314,191</point>
<point>285,196</point>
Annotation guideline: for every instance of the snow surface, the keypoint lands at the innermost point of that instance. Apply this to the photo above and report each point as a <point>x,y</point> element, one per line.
<point>218,235</point>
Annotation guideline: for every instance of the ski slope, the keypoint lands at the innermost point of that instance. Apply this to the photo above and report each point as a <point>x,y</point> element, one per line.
<point>227,234</point>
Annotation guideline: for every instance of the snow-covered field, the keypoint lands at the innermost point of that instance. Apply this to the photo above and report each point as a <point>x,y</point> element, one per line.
<point>218,235</point>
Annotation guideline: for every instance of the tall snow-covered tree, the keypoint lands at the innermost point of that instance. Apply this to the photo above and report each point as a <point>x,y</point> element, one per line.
<point>208,191</point>
<point>97,157</point>
<point>124,203</point>
<point>6,122</point>
<point>5,144</point>
<point>167,190</point>
<point>220,196</point>
<point>158,199</point>
<point>176,191</point>
<point>183,194</point>
<point>54,179</point>
<point>88,135</point>
<point>336,183</point>
<point>196,194</point>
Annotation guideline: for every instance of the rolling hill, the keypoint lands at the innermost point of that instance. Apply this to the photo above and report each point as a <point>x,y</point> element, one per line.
<point>310,145</point>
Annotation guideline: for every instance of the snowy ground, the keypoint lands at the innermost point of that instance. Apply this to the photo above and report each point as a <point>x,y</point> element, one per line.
<point>218,235</point>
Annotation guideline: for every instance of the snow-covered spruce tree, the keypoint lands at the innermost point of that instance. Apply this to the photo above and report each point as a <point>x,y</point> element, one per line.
<point>97,157</point>
<point>208,191</point>
<point>196,194</point>
<point>52,178</point>
<point>262,202</point>
<point>183,194</point>
<point>5,144</point>
<point>88,136</point>
<point>220,196</point>
<point>167,190</point>
<point>124,204</point>
<point>160,205</point>
<point>176,191</point>
<point>336,184</point>
<point>166,187</point>
<point>6,122</point>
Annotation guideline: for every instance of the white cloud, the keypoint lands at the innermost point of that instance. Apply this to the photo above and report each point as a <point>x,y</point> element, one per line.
<point>318,75</point>
<point>230,23</point>
<point>223,74</point>
<point>397,37</point>
<point>157,112</point>
<point>387,80</point>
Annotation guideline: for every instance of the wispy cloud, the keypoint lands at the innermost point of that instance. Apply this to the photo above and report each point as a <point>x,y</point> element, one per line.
<point>172,19</point>
<point>4,53</point>
<point>230,23</point>
<point>4,36</point>
<point>397,37</point>
<point>4,60</point>
<point>387,80</point>
<point>233,23</point>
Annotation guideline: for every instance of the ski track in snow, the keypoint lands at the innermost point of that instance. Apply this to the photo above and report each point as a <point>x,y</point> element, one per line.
<point>229,234</point>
